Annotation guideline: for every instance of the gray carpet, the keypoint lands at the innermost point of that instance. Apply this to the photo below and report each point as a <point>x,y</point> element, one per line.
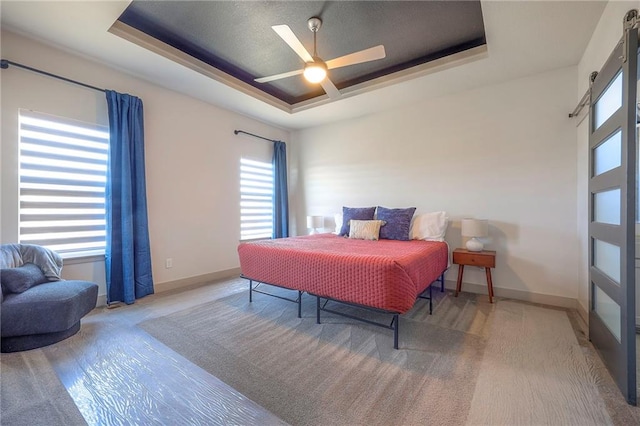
<point>533,372</point>
<point>450,369</point>
<point>32,394</point>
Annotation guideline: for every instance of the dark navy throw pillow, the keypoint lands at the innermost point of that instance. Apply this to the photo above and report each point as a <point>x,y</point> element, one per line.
<point>355,213</point>
<point>398,223</point>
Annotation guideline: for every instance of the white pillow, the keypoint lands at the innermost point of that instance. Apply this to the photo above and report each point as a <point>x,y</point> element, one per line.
<point>338,218</point>
<point>429,226</point>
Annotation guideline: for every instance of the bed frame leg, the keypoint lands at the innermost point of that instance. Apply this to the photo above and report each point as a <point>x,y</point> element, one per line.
<point>299,304</point>
<point>317,309</point>
<point>250,291</point>
<point>442,283</point>
<point>430,301</point>
<point>395,331</point>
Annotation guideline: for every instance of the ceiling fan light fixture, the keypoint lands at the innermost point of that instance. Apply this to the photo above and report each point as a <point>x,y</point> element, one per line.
<point>315,71</point>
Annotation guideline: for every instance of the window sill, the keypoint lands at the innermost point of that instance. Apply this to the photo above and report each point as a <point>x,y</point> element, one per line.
<point>248,240</point>
<point>83,258</point>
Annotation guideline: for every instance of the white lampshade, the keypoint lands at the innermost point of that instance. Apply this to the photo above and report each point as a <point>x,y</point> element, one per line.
<point>315,222</point>
<point>475,228</point>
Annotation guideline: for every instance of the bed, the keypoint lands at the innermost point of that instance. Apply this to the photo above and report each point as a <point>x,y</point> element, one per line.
<point>382,275</point>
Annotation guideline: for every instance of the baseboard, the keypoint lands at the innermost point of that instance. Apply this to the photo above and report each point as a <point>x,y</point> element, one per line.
<point>197,280</point>
<point>185,282</point>
<point>102,300</point>
<point>583,313</point>
<point>544,299</point>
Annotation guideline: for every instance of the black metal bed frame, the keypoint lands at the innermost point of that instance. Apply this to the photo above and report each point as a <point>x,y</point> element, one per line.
<point>394,325</point>
<point>252,289</point>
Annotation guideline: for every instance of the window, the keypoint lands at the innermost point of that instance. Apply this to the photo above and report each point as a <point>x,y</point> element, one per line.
<point>62,177</point>
<point>256,199</point>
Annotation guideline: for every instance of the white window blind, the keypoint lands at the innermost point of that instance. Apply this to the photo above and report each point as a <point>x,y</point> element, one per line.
<point>62,170</point>
<point>256,199</point>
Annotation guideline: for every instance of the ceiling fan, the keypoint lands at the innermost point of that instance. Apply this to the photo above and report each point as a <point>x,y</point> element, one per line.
<point>315,69</point>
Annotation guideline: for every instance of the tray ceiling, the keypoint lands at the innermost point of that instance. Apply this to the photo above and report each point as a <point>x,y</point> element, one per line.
<point>236,38</point>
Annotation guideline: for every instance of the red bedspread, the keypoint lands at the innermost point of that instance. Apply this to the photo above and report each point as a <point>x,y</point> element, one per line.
<point>385,274</point>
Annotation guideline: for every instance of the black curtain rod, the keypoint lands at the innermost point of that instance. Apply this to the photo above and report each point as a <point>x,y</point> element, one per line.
<point>235,132</point>
<point>4,64</point>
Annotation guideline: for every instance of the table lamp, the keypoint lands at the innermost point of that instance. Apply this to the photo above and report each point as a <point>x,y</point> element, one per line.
<point>315,222</point>
<point>475,228</point>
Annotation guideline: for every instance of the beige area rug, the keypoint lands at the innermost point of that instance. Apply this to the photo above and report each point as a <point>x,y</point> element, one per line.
<point>534,373</point>
<point>492,364</point>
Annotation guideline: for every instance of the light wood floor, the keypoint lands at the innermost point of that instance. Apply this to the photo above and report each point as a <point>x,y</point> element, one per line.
<point>118,374</point>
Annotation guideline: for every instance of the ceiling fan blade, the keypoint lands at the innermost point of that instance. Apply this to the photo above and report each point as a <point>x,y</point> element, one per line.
<point>290,38</point>
<point>366,55</point>
<point>330,88</point>
<point>278,76</point>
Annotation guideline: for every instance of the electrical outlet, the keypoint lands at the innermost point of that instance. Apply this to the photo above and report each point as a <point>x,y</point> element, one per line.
<point>168,263</point>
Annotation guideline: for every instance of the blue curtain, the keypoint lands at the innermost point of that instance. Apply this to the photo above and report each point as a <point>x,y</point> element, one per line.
<point>280,193</point>
<point>128,256</point>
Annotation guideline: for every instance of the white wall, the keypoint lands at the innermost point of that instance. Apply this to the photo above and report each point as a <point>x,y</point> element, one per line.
<point>604,39</point>
<point>192,158</point>
<point>505,153</point>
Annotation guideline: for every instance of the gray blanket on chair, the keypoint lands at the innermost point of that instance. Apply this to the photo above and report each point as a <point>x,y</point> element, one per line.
<point>16,255</point>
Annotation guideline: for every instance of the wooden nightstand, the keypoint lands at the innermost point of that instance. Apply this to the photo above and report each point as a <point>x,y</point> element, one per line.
<point>484,258</point>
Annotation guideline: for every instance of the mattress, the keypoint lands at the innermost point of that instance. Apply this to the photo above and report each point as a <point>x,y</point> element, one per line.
<point>383,274</point>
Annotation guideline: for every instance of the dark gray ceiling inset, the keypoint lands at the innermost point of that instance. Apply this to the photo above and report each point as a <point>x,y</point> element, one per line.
<point>236,36</point>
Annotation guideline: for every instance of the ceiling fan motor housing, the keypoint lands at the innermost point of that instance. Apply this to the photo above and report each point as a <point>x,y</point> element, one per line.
<point>314,24</point>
